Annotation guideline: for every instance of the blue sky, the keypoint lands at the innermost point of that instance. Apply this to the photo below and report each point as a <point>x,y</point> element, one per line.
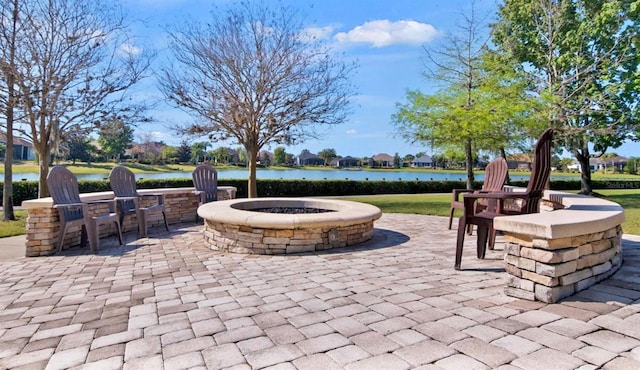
<point>386,38</point>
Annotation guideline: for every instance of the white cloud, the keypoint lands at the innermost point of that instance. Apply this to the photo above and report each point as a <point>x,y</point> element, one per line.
<point>351,132</point>
<point>381,33</point>
<point>129,49</point>
<point>316,33</point>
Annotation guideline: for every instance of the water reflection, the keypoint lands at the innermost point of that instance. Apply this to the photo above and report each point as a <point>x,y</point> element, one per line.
<point>292,174</point>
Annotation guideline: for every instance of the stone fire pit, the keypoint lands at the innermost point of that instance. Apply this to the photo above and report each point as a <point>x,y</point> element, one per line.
<point>286,225</point>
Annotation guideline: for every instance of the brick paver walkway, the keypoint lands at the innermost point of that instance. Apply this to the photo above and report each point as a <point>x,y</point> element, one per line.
<point>394,303</point>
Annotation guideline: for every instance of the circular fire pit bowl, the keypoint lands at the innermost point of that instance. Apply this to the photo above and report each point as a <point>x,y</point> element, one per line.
<point>286,225</point>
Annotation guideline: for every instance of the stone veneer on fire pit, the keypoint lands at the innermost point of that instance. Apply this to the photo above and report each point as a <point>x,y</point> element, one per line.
<point>233,226</point>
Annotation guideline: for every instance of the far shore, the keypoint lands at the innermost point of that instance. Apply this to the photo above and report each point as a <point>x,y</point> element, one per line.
<point>81,168</point>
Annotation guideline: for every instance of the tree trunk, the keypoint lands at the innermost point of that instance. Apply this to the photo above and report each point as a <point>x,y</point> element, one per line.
<point>469,161</point>
<point>7,190</point>
<point>43,167</point>
<point>585,170</point>
<point>585,175</point>
<point>253,162</point>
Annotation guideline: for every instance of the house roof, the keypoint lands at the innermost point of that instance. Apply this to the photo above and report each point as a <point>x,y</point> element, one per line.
<point>423,159</point>
<point>305,156</point>
<point>383,157</point>
<point>16,140</point>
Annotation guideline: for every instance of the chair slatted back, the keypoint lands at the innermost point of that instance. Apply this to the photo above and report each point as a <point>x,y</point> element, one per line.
<point>123,184</point>
<point>63,187</point>
<point>540,172</point>
<point>205,179</point>
<point>495,175</point>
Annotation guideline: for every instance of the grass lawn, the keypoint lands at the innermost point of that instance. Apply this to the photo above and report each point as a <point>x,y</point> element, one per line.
<point>17,227</point>
<point>423,204</point>
<point>438,205</point>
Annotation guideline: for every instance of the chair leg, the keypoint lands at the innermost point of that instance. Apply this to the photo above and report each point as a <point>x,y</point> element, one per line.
<point>460,242</point>
<point>94,236</point>
<point>164,215</point>
<point>142,223</point>
<point>451,217</point>
<point>483,233</point>
<point>492,237</point>
<point>119,230</point>
<point>61,237</point>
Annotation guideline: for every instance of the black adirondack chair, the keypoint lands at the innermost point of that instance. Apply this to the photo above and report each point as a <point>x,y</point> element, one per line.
<point>506,202</point>
<point>63,187</point>
<point>123,184</point>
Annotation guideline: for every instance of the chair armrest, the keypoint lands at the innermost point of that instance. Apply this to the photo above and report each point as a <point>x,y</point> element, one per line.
<point>69,205</point>
<point>457,192</point>
<point>158,196</point>
<point>498,196</point>
<point>125,198</point>
<point>110,202</point>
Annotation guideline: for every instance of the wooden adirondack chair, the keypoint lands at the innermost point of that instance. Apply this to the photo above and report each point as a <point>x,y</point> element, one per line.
<point>63,187</point>
<point>519,202</point>
<point>495,176</point>
<point>205,181</point>
<point>123,184</point>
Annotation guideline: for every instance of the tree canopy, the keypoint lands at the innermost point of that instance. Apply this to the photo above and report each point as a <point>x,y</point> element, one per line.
<point>72,65</point>
<point>252,75</point>
<point>482,106</point>
<point>582,56</point>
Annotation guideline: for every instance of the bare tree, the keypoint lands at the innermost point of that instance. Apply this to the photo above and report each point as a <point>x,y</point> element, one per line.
<point>8,35</point>
<point>253,75</point>
<point>75,65</point>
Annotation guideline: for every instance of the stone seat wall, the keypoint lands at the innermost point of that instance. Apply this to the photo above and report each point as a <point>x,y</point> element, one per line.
<point>43,221</point>
<point>558,252</point>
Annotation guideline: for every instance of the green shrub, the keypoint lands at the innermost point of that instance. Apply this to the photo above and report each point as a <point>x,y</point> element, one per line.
<point>24,190</point>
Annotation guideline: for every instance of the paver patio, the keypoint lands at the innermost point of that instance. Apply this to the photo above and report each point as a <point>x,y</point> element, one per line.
<point>394,302</point>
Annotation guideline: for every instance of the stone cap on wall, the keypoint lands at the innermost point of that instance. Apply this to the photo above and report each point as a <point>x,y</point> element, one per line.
<point>238,212</point>
<point>88,197</point>
<point>581,214</point>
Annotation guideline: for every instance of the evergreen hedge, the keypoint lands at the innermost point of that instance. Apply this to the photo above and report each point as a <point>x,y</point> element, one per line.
<point>24,190</point>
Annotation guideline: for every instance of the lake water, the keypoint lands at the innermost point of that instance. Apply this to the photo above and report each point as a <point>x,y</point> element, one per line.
<point>292,174</point>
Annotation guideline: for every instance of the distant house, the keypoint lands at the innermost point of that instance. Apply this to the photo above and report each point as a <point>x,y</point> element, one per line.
<point>346,162</point>
<point>602,164</point>
<point>308,159</point>
<point>422,162</point>
<point>519,162</point>
<point>382,160</point>
<point>22,148</point>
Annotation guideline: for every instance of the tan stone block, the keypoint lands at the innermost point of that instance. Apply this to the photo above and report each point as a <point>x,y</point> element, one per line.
<point>584,284</point>
<point>520,239</point>
<point>611,233</point>
<point>554,244</point>
<point>249,237</point>
<point>276,246</point>
<point>523,284</point>
<point>576,276</point>
<point>553,294</point>
<point>585,249</point>
<point>269,240</point>
<point>546,256</point>
<point>519,293</point>
<point>540,279</point>
<point>601,268</point>
<point>299,242</point>
<point>513,270</point>
<point>512,248</point>
<point>600,245</point>
<point>556,270</point>
<point>522,263</point>
<point>596,236</point>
